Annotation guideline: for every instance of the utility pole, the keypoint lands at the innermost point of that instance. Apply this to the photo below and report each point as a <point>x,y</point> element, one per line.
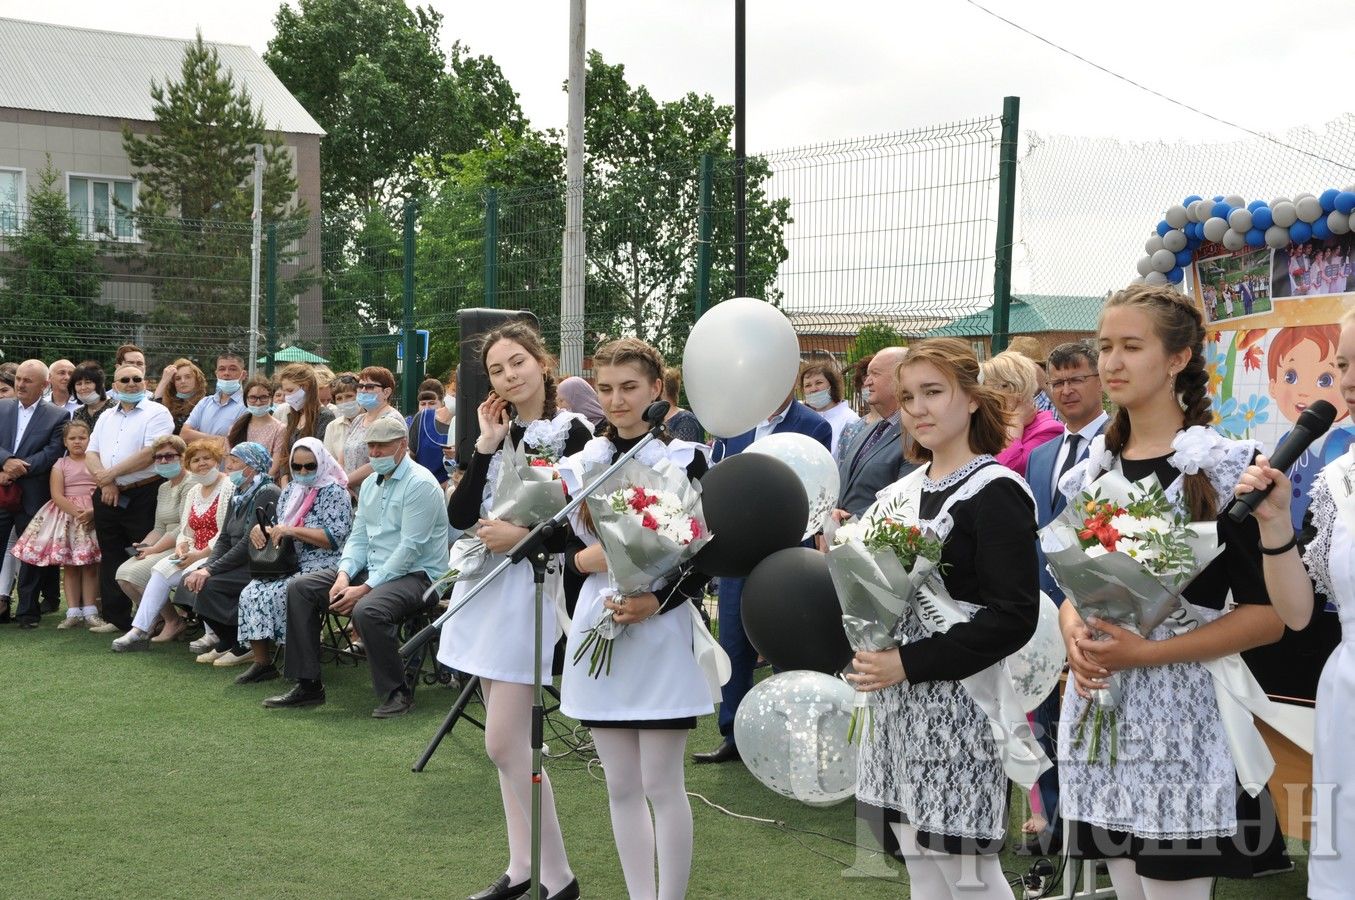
<point>573,266</point>
<point>255,253</point>
<point>740,150</point>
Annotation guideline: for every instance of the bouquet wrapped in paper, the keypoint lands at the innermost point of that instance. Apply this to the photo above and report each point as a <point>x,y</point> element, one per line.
<point>877,565</point>
<point>527,490</point>
<point>1123,552</point>
<point>649,522</point>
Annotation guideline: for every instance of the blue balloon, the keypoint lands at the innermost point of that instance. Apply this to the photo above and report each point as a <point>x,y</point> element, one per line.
<point>1300,231</point>
<point>1183,258</point>
<point>1261,218</point>
<point>1163,227</point>
<point>1176,275</point>
<point>1345,201</point>
<point>1191,199</point>
<point>1256,238</point>
<point>1321,230</point>
<point>1221,210</point>
<point>1328,199</point>
<point>1190,229</point>
<point>1255,205</point>
<point>1192,243</point>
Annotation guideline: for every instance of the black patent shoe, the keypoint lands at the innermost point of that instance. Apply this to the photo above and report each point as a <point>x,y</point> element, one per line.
<point>503,889</point>
<point>298,696</point>
<point>568,892</point>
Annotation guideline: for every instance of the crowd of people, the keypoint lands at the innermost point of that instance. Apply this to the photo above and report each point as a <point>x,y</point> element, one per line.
<point>259,507</point>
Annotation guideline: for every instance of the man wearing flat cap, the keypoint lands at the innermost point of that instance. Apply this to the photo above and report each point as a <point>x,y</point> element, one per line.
<point>397,547</point>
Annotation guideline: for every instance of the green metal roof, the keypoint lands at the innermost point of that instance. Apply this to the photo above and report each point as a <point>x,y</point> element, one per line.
<point>1030,314</point>
<point>295,354</point>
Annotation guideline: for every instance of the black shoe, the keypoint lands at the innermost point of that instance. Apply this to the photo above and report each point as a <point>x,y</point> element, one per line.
<point>28,624</point>
<point>399,703</point>
<point>257,673</point>
<point>298,696</point>
<point>503,889</point>
<point>568,892</point>
<point>726,752</point>
<point>49,606</point>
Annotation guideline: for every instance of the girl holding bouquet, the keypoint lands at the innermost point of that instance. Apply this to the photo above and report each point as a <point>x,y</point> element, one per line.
<point>1328,526</point>
<point>492,636</point>
<point>931,778</point>
<point>1164,808</point>
<point>640,712</point>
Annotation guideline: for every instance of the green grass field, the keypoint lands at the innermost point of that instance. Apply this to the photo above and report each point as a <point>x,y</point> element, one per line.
<point>145,775</point>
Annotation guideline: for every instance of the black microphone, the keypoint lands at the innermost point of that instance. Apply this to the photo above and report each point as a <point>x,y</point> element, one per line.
<point>1312,424</point>
<point>655,412</point>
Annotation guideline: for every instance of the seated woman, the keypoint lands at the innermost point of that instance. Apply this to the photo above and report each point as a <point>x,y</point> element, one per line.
<point>1018,380</point>
<point>315,512</point>
<point>204,509</point>
<point>167,454</point>
<point>213,591</point>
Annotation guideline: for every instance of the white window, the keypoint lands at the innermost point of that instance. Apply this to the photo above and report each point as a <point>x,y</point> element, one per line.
<point>11,200</point>
<point>103,206</point>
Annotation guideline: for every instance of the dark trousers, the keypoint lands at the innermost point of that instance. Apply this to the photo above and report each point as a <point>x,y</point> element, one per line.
<point>1046,723</point>
<point>378,617</point>
<point>742,656</point>
<point>116,528</point>
<point>36,583</point>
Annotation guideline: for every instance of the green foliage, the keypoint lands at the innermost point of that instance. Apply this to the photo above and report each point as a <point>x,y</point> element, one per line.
<point>873,338</point>
<point>52,281</point>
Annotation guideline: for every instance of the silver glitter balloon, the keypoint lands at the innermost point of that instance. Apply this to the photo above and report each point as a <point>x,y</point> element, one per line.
<point>813,465</point>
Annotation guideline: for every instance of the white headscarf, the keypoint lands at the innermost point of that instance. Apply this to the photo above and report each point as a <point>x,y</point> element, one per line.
<point>329,472</point>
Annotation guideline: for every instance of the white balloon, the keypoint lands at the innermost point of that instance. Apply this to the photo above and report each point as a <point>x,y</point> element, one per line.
<point>1164,260</point>
<point>1176,216</point>
<point>1153,244</point>
<point>1298,197</point>
<point>1155,278</point>
<point>1240,220</point>
<point>1350,188</point>
<point>1144,265</point>
<point>1278,200</point>
<point>1215,228</point>
<point>1199,210</point>
<point>739,365</point>
<point>791,730</point>
<point>1234,240</point>
<point>1175,241</point>
<point>1138,279</point>
<point>1277,237</point>
<point>1036,667</point>
<point>1309,209</point>
<point>1236,200</point>
<point>1338,222</point>
<point>1284,213</point>
<point>813,465</point>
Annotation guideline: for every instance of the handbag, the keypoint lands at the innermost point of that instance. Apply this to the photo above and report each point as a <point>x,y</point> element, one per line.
<point>11,497</point>
<point>273,560</point>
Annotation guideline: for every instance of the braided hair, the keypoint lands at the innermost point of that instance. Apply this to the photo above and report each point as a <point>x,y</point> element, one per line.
<point>635,352</point>
<point>1179,326</point>
<point>529,339</point>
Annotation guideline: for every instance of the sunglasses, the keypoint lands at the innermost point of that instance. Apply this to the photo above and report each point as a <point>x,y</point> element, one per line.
<point>136,380</point>
<point>165,457</point>
<point>305,467</point>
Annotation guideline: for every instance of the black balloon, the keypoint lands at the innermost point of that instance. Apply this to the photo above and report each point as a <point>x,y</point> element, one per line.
<point>791,614</point>
<point>754,505</point>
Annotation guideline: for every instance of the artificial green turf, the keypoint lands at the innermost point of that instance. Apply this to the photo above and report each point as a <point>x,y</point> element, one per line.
<point>145,775</point>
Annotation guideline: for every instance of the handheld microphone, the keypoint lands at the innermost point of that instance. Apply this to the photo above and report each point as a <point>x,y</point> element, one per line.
<point>655,412</point>
<point>1312,424</point>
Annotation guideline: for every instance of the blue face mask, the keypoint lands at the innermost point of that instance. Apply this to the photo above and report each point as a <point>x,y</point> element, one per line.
<point>260,410</point>
<point>182,396</point>
<point>227,386</point>
<point>132,397</point>
<point>168,470</point>
<point>382,465</point>
<point>306,479</point>
<point>369,401</point>
<point>237,478</point>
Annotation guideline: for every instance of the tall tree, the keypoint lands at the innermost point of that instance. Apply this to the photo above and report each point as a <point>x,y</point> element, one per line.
<point>50,282</point>
<point>195,202</point>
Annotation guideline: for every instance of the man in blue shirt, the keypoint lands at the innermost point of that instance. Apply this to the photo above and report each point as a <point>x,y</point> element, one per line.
<point>214,415</point>
<point>397,547</point>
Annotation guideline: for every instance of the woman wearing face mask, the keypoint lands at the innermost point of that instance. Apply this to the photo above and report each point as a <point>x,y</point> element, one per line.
<point>344,389</point>
<point>205,505</point>
<point>821,388</point>
<point>87,381</point>
<point>865,419</point>
<point>181,389</point>
<point>492,637</point>
<point>430,434</point>
<point>213,591</point>
<point>257,424</point>
<point>316,513</point>
<point>305,416</point>
<point>376,385</point>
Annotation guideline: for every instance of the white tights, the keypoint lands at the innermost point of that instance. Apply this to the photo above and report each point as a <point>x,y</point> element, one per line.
<point>1129,885</point>
<point>646,765</point>
<point>154,598</point>
<point>508,742</point>
<point>961,876</point>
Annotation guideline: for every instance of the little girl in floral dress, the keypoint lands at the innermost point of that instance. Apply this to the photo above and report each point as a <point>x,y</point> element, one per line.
<point>62,532</point>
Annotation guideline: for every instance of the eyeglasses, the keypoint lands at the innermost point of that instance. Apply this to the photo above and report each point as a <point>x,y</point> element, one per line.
<point>305,467</point>
<point>1075,381</point>
<point>133,380</point>
<point>368,386</point>
<point>165,457</point>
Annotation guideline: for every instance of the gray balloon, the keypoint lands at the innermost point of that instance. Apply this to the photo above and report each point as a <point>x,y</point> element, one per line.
<point>1215,228</point>
<point>1277,201</point>
<point>1235,200</point>
<point>1284,213</point>
<point>1338,222</point>
<point>1277,237</point>
<point>1144,265</point>
<point>1234,240</point>
<point>1240,220</point>
<point>1164,260</point>
<point>1199,210</point>
<point>791,730</point>
<point>1309,209</point>
<point>1152,245</point>
<point>1176,216</point>
<point>1155,278</point>
<point>1175,241</point>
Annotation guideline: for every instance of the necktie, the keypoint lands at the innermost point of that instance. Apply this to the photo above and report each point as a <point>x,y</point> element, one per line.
<point>1068,462</point>
<point>871,440</point>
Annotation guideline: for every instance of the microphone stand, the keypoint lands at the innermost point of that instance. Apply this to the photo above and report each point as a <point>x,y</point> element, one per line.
<point>532,548</point>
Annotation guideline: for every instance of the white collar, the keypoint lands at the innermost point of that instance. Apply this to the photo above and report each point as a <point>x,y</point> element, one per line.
<point>1092,428</point>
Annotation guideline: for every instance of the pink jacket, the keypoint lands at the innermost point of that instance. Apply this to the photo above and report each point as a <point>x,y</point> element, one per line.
<point>1044,427</point>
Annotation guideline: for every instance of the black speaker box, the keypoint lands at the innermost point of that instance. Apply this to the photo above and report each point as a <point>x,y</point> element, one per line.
<point>472,382</point>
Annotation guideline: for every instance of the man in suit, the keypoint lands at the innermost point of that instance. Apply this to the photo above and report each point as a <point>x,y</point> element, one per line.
<point>792,416</point>
<point>874,458</point>
<point>1075,388</point>
<point>30,444</point>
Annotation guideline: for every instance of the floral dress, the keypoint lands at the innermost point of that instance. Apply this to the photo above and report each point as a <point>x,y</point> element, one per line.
<point>263,604</point>
<point>55,538</point>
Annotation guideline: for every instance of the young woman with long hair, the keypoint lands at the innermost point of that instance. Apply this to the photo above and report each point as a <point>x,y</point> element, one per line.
<point>492,636</point>
<point>1167,815</point>
<point>941,803</point>
<point>305,416</point>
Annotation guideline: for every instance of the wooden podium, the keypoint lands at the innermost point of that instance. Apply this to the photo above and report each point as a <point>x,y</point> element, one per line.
<point>1292,782</point>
